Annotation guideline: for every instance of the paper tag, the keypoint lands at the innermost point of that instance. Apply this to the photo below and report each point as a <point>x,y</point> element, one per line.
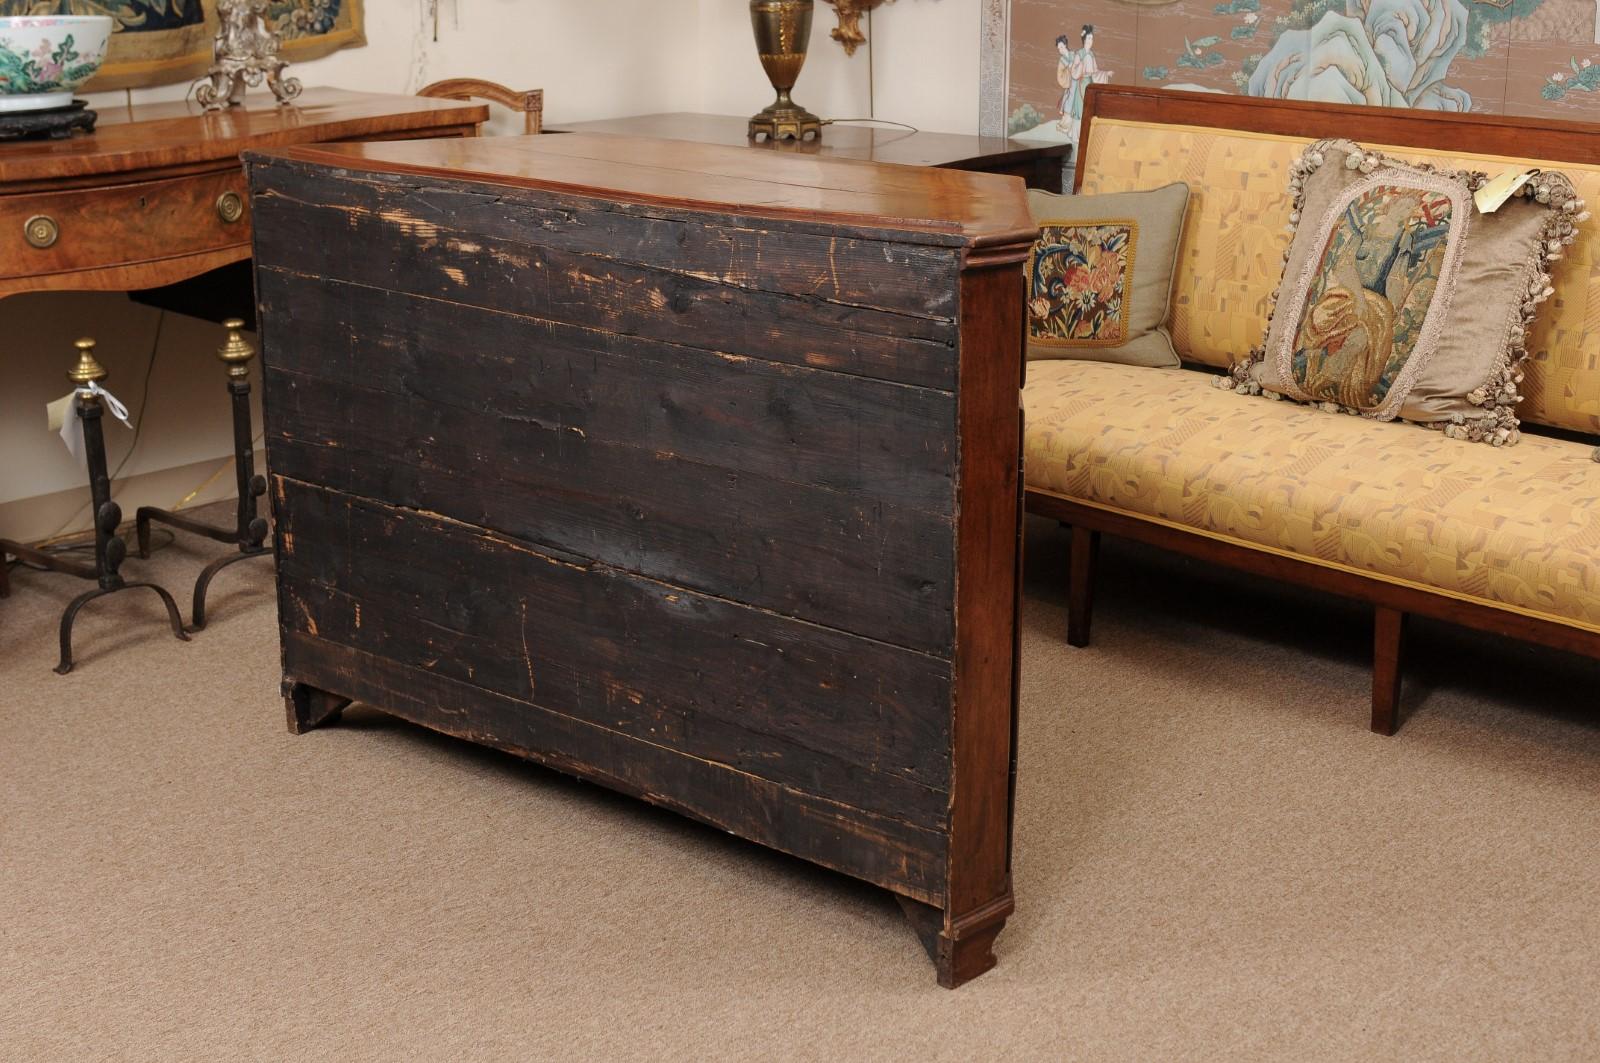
<point>56,412</point>
<point>64,419</point>
<point>1493,195</point>
<point>62,416</point>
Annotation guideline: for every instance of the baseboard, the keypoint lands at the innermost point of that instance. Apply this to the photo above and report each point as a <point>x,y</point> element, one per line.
<point>29,520</point>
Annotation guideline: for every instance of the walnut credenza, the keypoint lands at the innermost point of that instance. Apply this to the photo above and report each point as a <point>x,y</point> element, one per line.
<point>689,470</point>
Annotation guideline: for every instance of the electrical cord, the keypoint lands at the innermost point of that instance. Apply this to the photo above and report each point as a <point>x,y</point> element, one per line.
<point>872,93</point>
<point>875,121</point>
<point>222,467</point>
<point>144,394</point>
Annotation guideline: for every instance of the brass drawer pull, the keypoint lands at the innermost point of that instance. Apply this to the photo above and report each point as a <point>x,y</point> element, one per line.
<point>41,231</point>
<point>230,207</point>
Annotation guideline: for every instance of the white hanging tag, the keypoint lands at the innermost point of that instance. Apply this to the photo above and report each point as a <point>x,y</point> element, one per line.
<point>62,416</point>
<point>1493,194</point>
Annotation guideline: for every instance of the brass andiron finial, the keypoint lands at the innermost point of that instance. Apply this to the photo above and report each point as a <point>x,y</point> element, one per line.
<point>249,532</point>
<point>88,370</point>
<point>236,351</point>
<point>783,33</point>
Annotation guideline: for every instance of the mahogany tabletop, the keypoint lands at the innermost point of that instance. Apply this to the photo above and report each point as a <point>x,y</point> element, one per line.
<point>943,205</point>
<point>171,136</point>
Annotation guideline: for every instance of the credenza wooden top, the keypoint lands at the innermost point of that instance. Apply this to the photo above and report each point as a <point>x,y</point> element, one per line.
<point>152,139</point>
<point>935,206</point>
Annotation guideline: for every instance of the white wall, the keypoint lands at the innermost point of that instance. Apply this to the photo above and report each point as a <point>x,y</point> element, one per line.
<point>593,58</point>
<point>924,65</point>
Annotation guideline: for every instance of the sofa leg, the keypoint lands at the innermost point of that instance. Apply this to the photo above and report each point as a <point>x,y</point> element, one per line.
<point>1389,632</point>
<point>1080,585</point>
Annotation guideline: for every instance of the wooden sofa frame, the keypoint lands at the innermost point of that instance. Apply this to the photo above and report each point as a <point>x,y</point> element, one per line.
<point>1392,602</point>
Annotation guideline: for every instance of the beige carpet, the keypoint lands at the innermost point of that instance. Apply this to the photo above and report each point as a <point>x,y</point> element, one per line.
<point>1215,860</point>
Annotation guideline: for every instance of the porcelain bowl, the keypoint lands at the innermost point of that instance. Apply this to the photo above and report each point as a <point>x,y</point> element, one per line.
<point>44,58</point>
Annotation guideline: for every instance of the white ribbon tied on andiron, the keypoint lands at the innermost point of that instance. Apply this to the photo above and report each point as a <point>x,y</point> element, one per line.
<point>61,415</point>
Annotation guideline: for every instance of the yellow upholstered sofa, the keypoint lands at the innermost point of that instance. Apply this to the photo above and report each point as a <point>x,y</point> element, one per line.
<point>1501,538</point>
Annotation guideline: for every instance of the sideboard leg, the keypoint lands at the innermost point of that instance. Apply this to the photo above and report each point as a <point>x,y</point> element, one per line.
<point>310,708</point>
<point>963,952</point>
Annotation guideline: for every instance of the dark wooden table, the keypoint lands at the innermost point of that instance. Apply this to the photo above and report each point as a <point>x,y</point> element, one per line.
<point>1040,165</point>
<point>690,470</point>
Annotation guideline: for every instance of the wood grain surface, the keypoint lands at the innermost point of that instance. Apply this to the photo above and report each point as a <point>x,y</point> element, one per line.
<point>920,205</point>
<point>149,138</point>
<point>136,203</point>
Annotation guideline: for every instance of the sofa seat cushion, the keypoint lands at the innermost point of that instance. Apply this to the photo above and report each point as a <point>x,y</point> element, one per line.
<point>1518,528</point>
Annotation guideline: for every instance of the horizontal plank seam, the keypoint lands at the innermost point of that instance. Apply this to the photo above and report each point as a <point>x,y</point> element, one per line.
<point>894,230</point>
<point>557,556</point>
<point>621,736</point>
<point>729,356</point>
<point>871,770</point>
<point>653,267</point>
<point>313,380</point>
<point>422,190</point>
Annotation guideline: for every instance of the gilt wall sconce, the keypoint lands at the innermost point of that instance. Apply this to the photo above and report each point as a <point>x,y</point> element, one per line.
<point>848,32</point>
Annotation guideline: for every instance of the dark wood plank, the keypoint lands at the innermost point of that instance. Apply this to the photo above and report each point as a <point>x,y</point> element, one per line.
<point>843,521</point>
<point>814,708</point>
<point>872,274</point>
<point>607,291</point>
<point>805,426</point>
<point>882,850</point>
<point>816,555</point>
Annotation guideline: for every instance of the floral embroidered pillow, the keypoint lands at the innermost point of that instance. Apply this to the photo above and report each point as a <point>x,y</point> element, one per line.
<point>1100,275</point>
<point>1408,294</point>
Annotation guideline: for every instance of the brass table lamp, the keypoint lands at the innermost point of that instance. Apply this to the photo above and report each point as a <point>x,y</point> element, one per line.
<point>783,33</point>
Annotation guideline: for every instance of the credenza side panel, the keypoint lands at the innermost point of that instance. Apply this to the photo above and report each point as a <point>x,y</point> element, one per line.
<point>988,589</point>
<point>668,502</point>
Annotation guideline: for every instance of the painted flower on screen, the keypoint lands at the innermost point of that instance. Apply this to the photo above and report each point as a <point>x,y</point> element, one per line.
<point>1393,53</point>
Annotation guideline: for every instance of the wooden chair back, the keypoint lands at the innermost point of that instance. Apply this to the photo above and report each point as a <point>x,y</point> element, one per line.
<point>529,102</point>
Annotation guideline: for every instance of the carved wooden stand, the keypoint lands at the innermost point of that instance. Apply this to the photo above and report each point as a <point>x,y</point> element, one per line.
<point>58,123</point>
<point>109,549</point>
<point>249,532</point>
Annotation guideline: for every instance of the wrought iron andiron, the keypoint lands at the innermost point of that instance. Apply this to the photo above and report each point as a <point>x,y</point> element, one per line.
<point>109,549</point>
<point>250,531</point>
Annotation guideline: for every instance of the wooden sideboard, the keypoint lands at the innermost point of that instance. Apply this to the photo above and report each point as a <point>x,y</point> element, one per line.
<point>1040,165</point>
<point>693,471</point>
<point>156,194</point>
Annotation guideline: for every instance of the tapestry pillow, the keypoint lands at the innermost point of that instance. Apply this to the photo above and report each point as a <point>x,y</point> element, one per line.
<point>1100,275</point>
<point>1407,292</point>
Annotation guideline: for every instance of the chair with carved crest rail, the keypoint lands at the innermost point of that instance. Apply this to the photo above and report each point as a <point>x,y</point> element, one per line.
<point>530,102</point>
